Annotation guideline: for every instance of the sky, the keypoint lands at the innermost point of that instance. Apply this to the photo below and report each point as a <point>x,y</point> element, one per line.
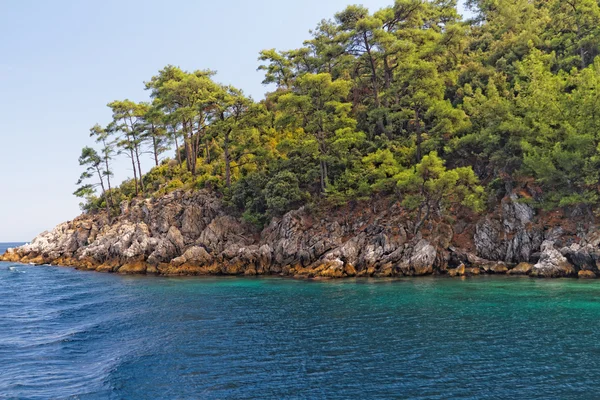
<point>62,61</point>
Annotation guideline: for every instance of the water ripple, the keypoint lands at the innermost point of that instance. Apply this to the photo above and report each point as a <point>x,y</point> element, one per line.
<point>71,334</point>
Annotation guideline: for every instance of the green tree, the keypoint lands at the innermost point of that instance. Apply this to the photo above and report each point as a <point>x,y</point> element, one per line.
<point>190,99</point>
<point>92,162</point>
<point>574,33</point>
<point>128,120</point>
<point>430,190</point>
<point>278,68</point>
<point>104,138</point>
<point>282,193</point>
<point>154,128</point>
<point>360,29</point>
<point>317,105</point>
<point>233,127</point>
<point>561,144</point>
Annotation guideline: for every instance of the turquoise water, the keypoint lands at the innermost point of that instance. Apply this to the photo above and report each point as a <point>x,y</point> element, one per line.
<point>71,334</point>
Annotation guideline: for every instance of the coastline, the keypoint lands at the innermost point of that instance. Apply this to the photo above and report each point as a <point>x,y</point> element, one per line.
<point>319,273</point>
<point>193,233</point>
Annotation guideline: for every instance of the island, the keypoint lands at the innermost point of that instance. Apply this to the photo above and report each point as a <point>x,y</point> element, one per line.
<point>402,142</point>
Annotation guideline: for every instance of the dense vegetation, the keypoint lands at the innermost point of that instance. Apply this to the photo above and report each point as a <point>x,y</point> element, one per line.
<point>409,101</point>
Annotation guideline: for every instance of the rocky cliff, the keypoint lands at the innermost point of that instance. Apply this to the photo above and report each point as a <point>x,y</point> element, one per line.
<point>186,233</point>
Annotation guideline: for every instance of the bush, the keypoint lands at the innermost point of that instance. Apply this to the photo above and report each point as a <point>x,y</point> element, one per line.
<point>282,193</point>
<point>173,185</point>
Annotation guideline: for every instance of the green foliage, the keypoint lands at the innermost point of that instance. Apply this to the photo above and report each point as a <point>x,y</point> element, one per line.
<point>247,194</point>
<point>408,100</point>
<point>316,105</point>
<point>429,189</point>
<point>282,193</point>
<point>173,185</point>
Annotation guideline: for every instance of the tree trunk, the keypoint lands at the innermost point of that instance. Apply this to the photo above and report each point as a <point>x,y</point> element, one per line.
<point>373,70</point>
<point>421,221</point>
<point>199,135</point>
<point>155,145</point>
<point>206,145</point>
<point>137,157</point>
<point>388,73</point>
<point>108,179</point>
<point>177,152</point>
<point>419,136</point>
<point>135,178</point>
<point>188,148</point>
<point>137,150</point>
<point>326,173</point>
<point>379,123</point>
<point>227,160</point>
<point>323,173</point>
<point>104,192</point>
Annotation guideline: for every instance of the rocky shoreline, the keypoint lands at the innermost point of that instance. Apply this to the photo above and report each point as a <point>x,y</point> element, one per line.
<point>192,233</point>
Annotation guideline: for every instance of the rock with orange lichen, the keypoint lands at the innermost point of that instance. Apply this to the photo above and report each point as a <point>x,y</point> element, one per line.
<point>584,274</point>
<point>521,269</point>
<point>135,267</point>
<point>349,270</point>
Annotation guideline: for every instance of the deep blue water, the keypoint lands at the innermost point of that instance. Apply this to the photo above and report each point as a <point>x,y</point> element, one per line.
<point>71,334</point>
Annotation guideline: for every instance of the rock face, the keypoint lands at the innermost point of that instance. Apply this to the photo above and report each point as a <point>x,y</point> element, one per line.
<point>193,233</point>
<point>509,235</point>
<point>583,256</point>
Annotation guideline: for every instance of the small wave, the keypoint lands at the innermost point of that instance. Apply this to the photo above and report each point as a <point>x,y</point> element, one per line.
<point>15,270</point>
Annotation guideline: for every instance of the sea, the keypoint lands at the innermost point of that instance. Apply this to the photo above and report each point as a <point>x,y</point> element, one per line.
<point>68,334</point>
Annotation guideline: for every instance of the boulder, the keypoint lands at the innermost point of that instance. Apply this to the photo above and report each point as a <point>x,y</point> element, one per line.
<point>459,271</point>
<point>193,233</point>
<point>423,258</point>
<point>552,263</point>
<point>521,269</point>
<point>194,256</point>
<point>498,268</point>
<point>584,274</point>
<point>176,238</point>
<point>332,269</point>
<point>582,257</point>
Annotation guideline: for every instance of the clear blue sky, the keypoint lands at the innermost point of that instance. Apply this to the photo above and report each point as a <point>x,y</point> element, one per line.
<point>62,61</point>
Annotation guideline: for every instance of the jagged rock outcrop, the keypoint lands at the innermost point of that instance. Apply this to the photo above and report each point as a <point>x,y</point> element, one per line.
<point>509,235</point>
<point>583,256</point>
<point>552,263</point>
<point>193,233</point>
